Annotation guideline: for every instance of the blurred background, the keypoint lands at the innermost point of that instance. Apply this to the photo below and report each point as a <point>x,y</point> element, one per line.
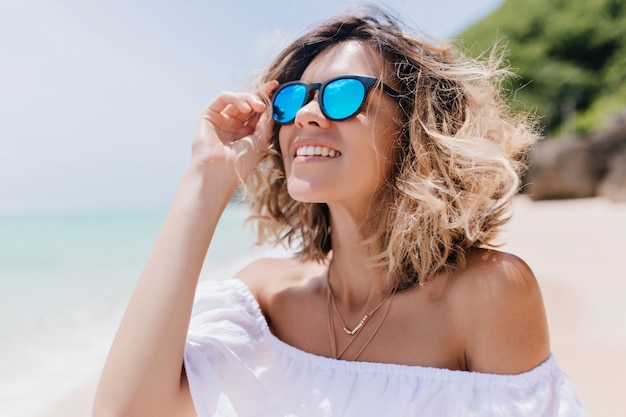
<point>98,102</point>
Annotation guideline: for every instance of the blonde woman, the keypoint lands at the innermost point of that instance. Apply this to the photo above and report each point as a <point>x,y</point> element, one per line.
<point>389,165</point>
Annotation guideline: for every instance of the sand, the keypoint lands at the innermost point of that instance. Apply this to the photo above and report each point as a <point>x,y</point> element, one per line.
<point>577,251</point>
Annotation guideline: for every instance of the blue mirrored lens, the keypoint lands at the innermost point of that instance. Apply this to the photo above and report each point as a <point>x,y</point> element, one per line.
<point>343,98</point>
<point>287,103</point>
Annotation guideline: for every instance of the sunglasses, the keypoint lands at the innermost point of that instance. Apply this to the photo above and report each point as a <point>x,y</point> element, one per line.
<point>339,98</point>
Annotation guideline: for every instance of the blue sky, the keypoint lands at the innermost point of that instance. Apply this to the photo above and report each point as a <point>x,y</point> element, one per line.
<point>98,99</point>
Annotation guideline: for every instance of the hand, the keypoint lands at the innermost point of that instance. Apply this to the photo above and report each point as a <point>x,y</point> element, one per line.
<point>232,132</point>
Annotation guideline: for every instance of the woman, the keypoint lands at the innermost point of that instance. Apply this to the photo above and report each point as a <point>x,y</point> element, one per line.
<point>390,166</point>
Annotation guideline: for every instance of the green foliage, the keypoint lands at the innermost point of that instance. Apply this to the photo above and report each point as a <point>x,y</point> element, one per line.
<point>564,51</point>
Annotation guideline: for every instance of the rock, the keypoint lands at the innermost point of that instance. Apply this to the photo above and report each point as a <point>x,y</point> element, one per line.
<point>613,185</point>
<point>580,167</point>
<point>562,168</point>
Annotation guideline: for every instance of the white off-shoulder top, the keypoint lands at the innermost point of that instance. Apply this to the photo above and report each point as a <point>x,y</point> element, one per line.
<point>237,367</point>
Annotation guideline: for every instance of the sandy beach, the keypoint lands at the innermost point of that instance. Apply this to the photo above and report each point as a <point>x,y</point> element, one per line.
<point>577,253</point>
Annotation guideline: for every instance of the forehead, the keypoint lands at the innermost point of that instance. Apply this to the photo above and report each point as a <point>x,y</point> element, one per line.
<point>349,57</point>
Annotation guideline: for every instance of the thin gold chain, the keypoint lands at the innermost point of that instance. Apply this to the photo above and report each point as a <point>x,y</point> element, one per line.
<point>331,324</point>
<point>365,318</point>
<point>331,327</point>
<point>380,323</point>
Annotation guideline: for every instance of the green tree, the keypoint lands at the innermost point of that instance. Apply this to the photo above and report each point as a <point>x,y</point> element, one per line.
<point>566,53</point>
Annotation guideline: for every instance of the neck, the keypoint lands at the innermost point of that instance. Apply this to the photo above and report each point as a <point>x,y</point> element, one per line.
<point>356,285</point>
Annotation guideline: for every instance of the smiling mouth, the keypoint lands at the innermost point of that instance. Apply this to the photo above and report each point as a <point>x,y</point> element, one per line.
<point>317,151</point>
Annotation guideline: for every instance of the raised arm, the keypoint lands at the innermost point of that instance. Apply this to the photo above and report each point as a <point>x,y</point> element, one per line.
<point>143,372</point>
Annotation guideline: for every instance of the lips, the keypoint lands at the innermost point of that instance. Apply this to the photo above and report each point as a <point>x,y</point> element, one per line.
<point>317,150</point>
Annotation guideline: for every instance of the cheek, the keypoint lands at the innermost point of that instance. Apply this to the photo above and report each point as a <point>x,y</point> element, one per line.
<point>385,145</point>
<point>384,125</point>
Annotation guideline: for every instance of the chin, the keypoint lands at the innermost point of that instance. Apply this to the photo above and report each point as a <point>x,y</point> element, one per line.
<point>306,192</point>
<point>305,197</point>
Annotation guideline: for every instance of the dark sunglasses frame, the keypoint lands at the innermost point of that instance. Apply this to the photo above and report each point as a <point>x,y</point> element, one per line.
<point>368,83</point>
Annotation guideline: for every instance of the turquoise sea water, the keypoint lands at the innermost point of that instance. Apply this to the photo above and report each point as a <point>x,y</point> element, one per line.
<point>64,281</point>
<point>56,264</point>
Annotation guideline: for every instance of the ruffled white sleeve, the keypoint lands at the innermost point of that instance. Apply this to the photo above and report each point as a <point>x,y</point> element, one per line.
<point>224,337</point>
<point>237,368</point>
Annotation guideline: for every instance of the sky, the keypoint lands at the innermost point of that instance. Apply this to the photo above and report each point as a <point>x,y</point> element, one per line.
<point>98,99</point>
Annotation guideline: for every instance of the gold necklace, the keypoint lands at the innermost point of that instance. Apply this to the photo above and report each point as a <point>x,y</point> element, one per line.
<point>365,318</point>
<point>331,324</point>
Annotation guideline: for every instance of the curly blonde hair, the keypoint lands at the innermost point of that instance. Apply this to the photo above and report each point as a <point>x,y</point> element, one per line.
<point>456,168</point>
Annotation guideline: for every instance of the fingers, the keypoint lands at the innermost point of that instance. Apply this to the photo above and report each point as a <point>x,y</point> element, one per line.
<point>262,122</point>
<point>230,110</point>
<point>238,105</point>
<point>234,127</point>
<point>235,115</point>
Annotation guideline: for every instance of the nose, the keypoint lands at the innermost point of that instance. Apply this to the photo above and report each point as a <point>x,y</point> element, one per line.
<point>311,114</point>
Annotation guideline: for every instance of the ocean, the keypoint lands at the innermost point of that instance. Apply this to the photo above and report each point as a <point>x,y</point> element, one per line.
<point>64,281</point>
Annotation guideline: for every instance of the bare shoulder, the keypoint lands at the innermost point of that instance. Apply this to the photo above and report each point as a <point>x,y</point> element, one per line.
<point>499,302</point>
<point>268,277</point>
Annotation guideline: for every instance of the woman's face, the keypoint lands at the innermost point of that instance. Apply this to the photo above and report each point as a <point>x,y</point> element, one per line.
<point>356,153</point>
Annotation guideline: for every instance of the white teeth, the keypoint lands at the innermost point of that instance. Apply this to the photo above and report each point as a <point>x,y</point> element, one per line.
<point>317,150</point>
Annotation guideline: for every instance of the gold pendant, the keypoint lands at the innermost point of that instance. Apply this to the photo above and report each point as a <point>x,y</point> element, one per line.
<point>358,327</point>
